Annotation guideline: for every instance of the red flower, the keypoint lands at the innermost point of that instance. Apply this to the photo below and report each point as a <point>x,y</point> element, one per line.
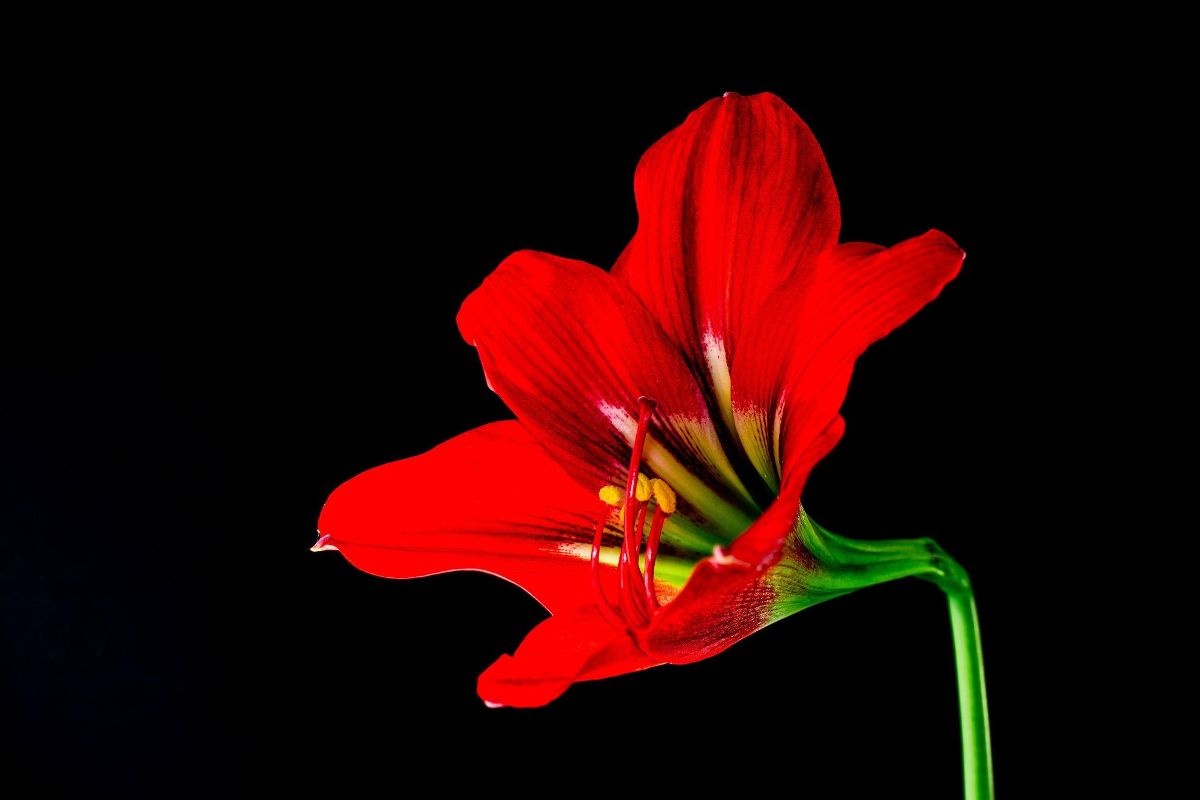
<point>702,376</point>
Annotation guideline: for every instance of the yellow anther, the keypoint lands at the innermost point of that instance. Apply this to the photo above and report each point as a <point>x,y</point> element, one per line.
<point>642,492</point>
<point>611,495</point>
<point>664,495</point>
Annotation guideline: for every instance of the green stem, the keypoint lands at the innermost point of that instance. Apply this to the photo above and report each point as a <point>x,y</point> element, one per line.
<point>849,564</point>
<point>972,693</point>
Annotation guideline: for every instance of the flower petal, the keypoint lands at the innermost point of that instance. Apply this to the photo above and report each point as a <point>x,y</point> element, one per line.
<point>731,204</point>
<point>570,350</point>
<point>793,371</point>
<point>728,596</point>
<point>490,500</point>
<point>564,649</point>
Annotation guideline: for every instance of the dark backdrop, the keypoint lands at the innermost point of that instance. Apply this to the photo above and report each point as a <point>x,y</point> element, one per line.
<point>245,294</point>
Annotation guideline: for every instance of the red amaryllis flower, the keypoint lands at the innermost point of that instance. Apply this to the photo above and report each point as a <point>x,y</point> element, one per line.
<point>668,414</point>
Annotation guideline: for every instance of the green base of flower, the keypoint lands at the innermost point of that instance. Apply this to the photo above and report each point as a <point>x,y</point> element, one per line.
<point>844,565</point>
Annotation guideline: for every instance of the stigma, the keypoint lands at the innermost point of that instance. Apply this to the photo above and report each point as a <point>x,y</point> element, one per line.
<point>637,599</point>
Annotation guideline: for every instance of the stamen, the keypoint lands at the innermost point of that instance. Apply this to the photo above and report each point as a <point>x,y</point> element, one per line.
<point>630,576</point>
<point>632,603</point>
<point>602,602</point>
<point>642,490</point>
<point>665,497</point>
<point>656,527</point>
<point>638,528</point>
<point>610,495</point>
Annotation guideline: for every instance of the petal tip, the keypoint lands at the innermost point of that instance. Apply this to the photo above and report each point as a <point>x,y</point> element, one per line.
<point>724,558</point>
<point>490,704</point>
<point>323,543</point>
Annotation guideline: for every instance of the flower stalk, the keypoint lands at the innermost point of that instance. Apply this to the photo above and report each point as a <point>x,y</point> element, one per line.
<point>972,692</point>
<point>848,564</point>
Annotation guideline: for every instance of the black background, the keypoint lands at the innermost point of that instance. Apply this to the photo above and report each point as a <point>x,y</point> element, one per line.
<point>245,294</point>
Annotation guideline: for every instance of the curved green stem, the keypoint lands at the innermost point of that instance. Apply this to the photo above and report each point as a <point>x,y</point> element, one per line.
<point>972,694</point>
<point>848,564</point>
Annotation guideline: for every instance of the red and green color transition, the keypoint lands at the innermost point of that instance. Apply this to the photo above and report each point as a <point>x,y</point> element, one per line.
<point>668,414</point>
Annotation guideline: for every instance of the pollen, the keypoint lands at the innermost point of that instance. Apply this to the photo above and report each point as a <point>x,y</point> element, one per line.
<point>643,491</point>
<point>664,495</point>
<point>611,495</point>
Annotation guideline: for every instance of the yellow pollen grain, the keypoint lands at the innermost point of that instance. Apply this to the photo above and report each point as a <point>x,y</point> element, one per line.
<point>664,495</point>
<point>611,495</point>
<point>642,492</point>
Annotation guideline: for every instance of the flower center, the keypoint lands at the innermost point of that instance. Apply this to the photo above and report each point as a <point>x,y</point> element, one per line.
<point>637,599</point>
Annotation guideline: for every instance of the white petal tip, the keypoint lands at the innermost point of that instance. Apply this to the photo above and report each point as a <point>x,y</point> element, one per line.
<point>323,544</point>
<point>490,704</point>
<point>723,558</point>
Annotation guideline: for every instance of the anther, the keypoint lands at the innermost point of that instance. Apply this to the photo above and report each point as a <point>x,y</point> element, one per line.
<point>664,495</point>
<point>642,490</point>
<point>611,495</point>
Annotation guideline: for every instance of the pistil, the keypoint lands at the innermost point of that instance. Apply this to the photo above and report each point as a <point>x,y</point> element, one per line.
<point>636,598</point>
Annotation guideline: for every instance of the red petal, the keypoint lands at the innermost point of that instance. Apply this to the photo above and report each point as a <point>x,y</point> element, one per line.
<point>731,204</point>
<point>729,596</point>
<point>488,500</point>
<point>793,370</point>
<point>563,649</point>
<point>570,350</point>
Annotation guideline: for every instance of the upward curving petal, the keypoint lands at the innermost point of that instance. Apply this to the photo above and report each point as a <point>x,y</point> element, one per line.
<point>570,349</point>
<point>564,649</point>
<point>489,500</point>
<point>731,205</point>
<point>729,595</point>
<point>792,375</point>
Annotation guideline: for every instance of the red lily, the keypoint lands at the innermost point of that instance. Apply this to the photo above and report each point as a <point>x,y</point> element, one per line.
<point>668,415</point>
